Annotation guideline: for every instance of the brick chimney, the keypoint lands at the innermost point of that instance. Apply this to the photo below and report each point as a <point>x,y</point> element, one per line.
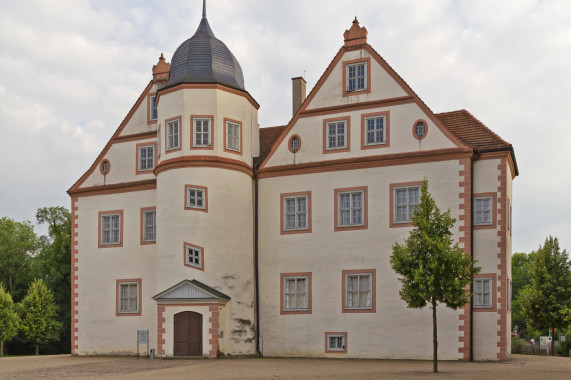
<point>298,93</point>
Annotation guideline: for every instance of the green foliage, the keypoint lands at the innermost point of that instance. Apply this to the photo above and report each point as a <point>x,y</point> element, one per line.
<point>38,321</point>
<point>18,243</point>
<point>9,319</point>
<point>430,264</point>
<point>432,267</point>
<point>522,267</point>
<point>546,300</point>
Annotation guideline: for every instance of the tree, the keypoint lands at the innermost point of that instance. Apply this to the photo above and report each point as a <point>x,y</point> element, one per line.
<point>433,268</point>
<point>546,301</point>
<point>38,322</point>
<point>18,242</point>
<point>522,266</point>
<point>53,266</point>
<point>8,319</point>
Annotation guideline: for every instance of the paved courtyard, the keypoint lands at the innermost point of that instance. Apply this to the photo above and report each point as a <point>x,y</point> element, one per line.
<point>520,367</point>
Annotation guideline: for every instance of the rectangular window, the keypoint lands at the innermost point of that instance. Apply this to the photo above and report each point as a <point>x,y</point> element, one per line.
<point>483,211</point>
<point>358,291</point>
<point>336,134</point>
<point>149,225</point>
<point>295,293</point>
<point>196,198</point>
<point>173,134</point>
<point>336,342</point>
<point>202,132</point>
<point>153,114</point>
<point>146,160</point>
<point>233,135</point>
<point>356,74</point>
<point>194,256</point>
<point>129,297</point>
<point>405,201</point>
<point>375,130</point>
<point>295,213</point>
<point>350,208</point>
<point>483,292</point>
<point>110,229</point>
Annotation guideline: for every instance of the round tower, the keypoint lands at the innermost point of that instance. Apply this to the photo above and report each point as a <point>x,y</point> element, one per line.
<point>208,136</point>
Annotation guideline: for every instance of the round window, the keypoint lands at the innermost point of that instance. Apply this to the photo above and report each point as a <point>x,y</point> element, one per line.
<point>294,144</point>
<point>105,167</point>
<point>419,130</point>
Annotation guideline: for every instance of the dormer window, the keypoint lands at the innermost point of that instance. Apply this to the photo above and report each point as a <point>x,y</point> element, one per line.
<point>356,76</point>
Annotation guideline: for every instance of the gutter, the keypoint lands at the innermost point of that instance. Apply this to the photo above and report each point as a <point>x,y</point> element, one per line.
<point>511,150</point>
<point>256,281</point>
<point>476,157</point>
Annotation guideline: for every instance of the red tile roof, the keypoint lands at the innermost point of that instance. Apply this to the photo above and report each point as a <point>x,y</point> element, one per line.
<point>268,136</point>
<point>471,131</point>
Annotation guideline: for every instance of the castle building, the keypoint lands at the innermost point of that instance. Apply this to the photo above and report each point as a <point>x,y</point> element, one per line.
<point>220,237</point>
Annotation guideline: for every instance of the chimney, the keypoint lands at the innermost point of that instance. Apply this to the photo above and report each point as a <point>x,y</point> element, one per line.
<point>298,93</point>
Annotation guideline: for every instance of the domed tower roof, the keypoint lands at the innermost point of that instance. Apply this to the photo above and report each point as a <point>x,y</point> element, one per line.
<point>205,59</point>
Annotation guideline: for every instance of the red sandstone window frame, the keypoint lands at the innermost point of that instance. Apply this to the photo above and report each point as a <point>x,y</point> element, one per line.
<point>226,148</point>
<point>283,197</point>
<point>205,198</point>
<point>139,282</point>
<point>210,132</point>
<point>283,277</point>
<point>328,348</point>
<point>108,166</point>
<point>346,64</point>
<point>100,215</point>
<point>186,262</point>
<point>138,170</point>
<point>414,134</point>
<point>149,110</point>
<point>373,283</point>
<point>365,207</point>
<point>143,211</point>
<point>180,135</point>
<point>347,147</point>
<point>289,142</point>
<point>494,210</point>
<point>386,115</point>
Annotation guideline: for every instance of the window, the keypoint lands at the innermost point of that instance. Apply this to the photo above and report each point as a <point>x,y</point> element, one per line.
<point>105,167</point>
<point>295,293</point>
<point>153,114</point>
<point>419,129</point>
<point>336,135</point>
<point>483,211</point>
<point>202,132</point>
<point>233,136</point>
<point>196,198</point>
<point>193,256</point>
<point>146,157</point>
<point>296,212</point>
<point>350,208</point>
<point>336,342</point>
<point>375,130</point>
<point>128,297</point>
<point>405,201</point>
<point>148,225</point>
<point>159,140</point>
<point>110,228</point>
<point>359,291</point>
<point>356,76</point>
<point>294,144</point>
<point>173,134</point>
<point>483,292</point>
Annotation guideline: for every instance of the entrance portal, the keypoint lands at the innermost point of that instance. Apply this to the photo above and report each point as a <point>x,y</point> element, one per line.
<point>188,334</point>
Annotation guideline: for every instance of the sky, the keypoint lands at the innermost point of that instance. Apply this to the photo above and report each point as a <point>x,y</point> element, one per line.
<point>70,70</point>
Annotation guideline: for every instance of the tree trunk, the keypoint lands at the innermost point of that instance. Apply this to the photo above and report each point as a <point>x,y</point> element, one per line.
<point>1,348</point>
<point>37,349</point>
<point>434,337</point>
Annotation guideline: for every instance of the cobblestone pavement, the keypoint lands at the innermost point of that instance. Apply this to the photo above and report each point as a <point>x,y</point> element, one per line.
<point>520,367</point>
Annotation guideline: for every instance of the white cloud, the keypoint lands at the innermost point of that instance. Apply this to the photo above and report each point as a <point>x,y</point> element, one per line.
<point>71,70</point>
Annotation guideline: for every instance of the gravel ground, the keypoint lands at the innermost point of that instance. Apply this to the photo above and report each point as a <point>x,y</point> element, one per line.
<point>520,367</point>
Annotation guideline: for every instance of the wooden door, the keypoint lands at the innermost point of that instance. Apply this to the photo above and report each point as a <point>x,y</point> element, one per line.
<point>188,334</point>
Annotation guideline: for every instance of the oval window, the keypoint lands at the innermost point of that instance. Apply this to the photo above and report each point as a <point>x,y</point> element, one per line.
<point>105,167</point>
<point>419,130</point>
<point>294,144</point>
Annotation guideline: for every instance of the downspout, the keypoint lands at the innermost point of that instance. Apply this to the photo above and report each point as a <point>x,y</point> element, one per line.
<point>257,287</point>
<point>477,156</point>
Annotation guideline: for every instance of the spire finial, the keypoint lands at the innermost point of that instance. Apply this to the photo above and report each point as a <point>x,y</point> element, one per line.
<point>203,8</point>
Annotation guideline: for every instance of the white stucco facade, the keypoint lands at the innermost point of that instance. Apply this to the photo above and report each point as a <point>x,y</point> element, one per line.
<point>202,243</point>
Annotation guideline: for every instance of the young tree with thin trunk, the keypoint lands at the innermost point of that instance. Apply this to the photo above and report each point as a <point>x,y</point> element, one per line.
<point>38,321</point>
<point>434,270</point>
<point>546,301</point>
<point>8,319</point>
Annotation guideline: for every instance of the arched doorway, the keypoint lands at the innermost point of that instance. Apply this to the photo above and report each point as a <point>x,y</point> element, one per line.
<point>188,334</point>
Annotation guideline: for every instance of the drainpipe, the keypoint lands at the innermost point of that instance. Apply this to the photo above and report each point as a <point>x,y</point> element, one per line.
<point>476,157</point>
<point>257,287</point>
